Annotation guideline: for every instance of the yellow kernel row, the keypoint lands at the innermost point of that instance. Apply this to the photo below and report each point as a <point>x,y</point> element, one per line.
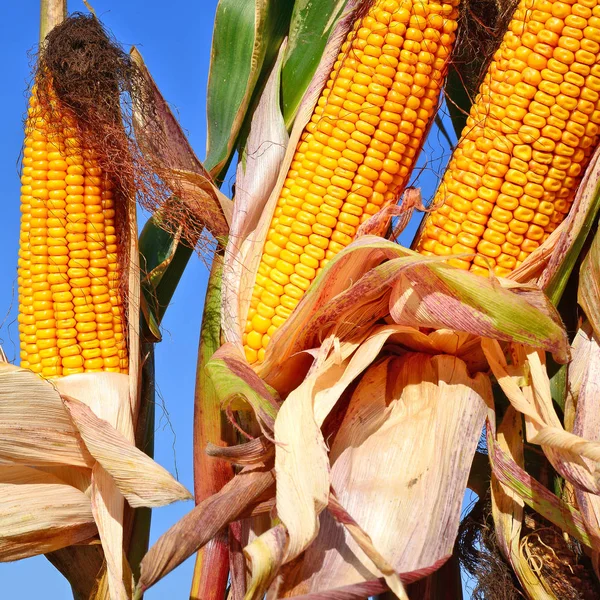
<point>528,138</point>
<point>71,316</point>
<point>356,153</point>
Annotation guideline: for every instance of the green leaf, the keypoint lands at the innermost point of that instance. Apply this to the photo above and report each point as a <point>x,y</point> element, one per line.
<point>163,259</point>
<point>558,282</point>
<point>440,125</point>
<point>312,22</point>
<point>458,100</point>
<point>234,380</point>
<point>245,34</point>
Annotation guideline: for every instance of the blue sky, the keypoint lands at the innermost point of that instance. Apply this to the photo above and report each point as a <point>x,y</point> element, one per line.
<point>174,37</point>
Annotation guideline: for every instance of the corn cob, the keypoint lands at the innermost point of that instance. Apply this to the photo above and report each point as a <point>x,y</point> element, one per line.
<point>529,136</point>
<point>356,153</point>
<point>70,309</point>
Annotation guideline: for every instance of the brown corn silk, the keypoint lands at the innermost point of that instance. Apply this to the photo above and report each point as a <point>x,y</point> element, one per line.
<point>71,312</point>
<point>528,139</point>
<point>356,154</point>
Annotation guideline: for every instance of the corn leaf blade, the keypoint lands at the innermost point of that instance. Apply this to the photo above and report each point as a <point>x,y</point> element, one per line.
<point>311,24</point>
<point>244,35</point>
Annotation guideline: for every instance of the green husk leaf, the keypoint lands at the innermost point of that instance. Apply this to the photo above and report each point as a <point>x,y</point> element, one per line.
<point>244,34</point>
<point>577,226</point>
<point>311,24</point>
<point>234,380</point>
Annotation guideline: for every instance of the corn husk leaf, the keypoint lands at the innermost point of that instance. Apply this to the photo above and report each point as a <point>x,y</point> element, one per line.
<point>166,148</point>
<point>265,556</point>
<point>310,27</point>
<point>396,409</point>
<point>301,460</point>
<point>358,591</point>
<point>535,495</point>
<point>250,453</point>
<point>239,283</point>
<point>141,480</point>
<point>508,503</point>
<point>202,523</point>
<point>365,543</point>
<point>108,508</point>
<point>239,388</point>
<point>245,37</point>
<point>100,436</point>
<point>528,390</point>
<point>588,295</point>
<point>40,513</point>
<point>256,175</point>
<point>357,287</point>
<point>586,361</point>
<point>35,428</point>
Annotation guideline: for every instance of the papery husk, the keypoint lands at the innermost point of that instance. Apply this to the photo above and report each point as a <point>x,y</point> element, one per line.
<point>374,278</point>
<point>507,508</point>
<point>428,445</point>
<point>529,393</point>
<point>584,371</point>
<point>89,465</point>
<point>165,146</point>
<point>256,176</point>
<point>202,523</point>
<point>40,513</point>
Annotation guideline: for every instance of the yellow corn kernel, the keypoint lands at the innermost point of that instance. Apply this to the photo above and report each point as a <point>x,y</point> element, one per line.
<point>534,122</point>
<point>68,246</point>
<point>357,152</point>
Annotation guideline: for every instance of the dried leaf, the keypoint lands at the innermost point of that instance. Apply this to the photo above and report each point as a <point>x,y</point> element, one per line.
<point>39,513</point>
<point>397,412</point>
<point>265,556</point>
<point>302,468</point>
<point>587,417</point>
<point>530,394</point>
<point>365,543</point>
<point>588,294</point>
<point>167,149</point>
<point>35,427</point>
<point>250,453</point>
<point>141,480</point>
<point>357,591</point>
<point>108,508</point>
<point>507,504</point>
<point>535,495</point>
<point>372,278</point>
<point>201,524</point>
